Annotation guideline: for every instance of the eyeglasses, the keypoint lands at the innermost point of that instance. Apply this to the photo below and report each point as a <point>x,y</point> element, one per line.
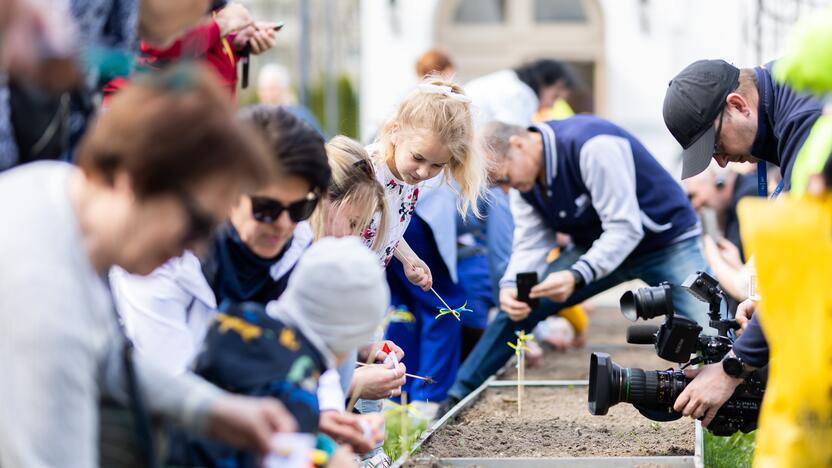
<point>200,223</point>
<point>267,210</point>
<point>717,150</point>
<point>718,131</point>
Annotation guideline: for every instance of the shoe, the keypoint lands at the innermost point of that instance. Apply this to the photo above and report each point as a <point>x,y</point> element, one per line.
<point>377,459</point>
<point>446,406</point>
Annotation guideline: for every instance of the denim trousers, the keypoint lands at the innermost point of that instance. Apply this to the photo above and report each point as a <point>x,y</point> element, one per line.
<point>671,264</point>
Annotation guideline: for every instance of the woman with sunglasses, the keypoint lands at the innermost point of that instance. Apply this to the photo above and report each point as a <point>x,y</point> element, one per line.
<point>249,258</point>
<point>168,312</point>
<point>253,253</point>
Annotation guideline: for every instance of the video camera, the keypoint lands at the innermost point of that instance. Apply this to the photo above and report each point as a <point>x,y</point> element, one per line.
<point>654,392</point>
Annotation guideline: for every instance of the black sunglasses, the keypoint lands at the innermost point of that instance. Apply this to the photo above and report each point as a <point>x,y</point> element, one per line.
<point>200,223</point>
<point>267,210</point>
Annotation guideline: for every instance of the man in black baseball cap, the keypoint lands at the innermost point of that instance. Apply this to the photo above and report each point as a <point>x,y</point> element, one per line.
<point>694,99</point>
<point>713,108</point>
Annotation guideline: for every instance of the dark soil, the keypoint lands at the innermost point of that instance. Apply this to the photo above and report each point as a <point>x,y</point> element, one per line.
<point>555,423</point>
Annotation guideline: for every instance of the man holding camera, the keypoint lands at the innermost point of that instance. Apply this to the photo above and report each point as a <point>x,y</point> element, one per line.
<point>627,217</point>
<point>714,109</point>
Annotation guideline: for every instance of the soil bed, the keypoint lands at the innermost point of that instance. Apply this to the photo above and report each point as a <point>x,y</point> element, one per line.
<point>555,423</point>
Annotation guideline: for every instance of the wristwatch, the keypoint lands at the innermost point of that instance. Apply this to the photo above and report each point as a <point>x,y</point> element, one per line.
<point>733,366</point>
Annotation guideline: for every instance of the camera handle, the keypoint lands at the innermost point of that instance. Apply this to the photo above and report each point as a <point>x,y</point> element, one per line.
<point>721,325</point>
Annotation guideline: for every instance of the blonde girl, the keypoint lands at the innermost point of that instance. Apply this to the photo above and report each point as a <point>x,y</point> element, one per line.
<point>430,133</point>
<point>354,197</point>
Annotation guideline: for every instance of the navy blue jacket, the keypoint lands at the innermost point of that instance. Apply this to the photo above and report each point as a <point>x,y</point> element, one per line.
<point>785,120</point>
<point>248,352</point>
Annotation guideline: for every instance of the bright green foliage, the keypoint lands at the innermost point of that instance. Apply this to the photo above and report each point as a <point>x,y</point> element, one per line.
<point>807,66</point>
<point>735,451</point>
<point>394,446</point>
<point>347,106</point>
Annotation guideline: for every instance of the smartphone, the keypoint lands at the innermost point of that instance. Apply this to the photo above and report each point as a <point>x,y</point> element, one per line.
<point>525,282</point>
<point>710,225</point>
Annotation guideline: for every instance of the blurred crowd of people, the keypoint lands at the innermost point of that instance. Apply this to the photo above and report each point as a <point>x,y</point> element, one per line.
<point>193,284</point>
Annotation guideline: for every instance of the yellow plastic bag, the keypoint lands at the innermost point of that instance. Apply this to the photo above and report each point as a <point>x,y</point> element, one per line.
<point>791,241</point>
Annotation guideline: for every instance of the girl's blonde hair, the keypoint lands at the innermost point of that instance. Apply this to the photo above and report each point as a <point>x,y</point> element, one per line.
<point>353,183</point>
<point>440,109</point>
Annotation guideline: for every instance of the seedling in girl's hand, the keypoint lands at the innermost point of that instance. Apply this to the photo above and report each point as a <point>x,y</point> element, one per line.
<point>454,312</point>
<point>447,309</point>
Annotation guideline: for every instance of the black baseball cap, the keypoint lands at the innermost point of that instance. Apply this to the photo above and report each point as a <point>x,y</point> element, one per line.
<point>694,98</point>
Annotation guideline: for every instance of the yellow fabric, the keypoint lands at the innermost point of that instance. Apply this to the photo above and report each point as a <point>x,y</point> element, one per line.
<point>813,154</point>
<point>791,241</point>
<point>228,53</point>
<point>576,316</point>
<point>560,110</point>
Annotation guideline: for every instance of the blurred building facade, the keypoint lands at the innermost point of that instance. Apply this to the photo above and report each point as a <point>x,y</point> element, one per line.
<point>625,51</point>
<point>320,45</point>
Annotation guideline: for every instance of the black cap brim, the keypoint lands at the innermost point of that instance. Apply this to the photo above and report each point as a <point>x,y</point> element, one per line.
<point>697,156</point>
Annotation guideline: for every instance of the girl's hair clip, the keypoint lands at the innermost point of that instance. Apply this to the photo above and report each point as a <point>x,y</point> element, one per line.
<point>444,90</point>
<point>364,166</point>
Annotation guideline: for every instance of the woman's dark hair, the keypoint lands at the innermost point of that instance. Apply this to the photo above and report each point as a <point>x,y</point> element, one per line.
<point>217,5</point>
<point>546,72</point>
<point>298,149</point>
<point>827,172</point>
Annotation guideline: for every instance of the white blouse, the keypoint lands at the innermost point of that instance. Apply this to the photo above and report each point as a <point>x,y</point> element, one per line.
<point>400,199</point>
<point>166,313</point>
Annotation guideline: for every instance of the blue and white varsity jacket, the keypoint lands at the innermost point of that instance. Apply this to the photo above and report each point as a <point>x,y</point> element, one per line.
<point>606,191</point>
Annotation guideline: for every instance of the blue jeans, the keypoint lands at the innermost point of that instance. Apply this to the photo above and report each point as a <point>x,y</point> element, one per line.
<point>672,264</point>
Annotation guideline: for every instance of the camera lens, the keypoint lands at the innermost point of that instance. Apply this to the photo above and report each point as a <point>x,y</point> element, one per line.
<point>610,384</point>
<point>646,303</point>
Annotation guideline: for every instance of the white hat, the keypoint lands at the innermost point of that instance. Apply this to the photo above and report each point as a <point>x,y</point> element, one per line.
<point>336,296</point>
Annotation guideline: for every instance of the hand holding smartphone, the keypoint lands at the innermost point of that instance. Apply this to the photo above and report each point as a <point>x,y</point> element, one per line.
<point>710,224</point>
<point>525,282</point>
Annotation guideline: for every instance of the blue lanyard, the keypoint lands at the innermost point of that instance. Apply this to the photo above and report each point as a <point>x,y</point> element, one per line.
<point>762,182</point>
<point>762,179</point>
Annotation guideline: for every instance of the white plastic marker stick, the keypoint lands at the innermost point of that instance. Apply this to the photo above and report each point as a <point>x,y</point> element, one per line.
<point>391,356</point>
<point>405,423</point>
<point>520,349</point>
<point>520,376</point>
